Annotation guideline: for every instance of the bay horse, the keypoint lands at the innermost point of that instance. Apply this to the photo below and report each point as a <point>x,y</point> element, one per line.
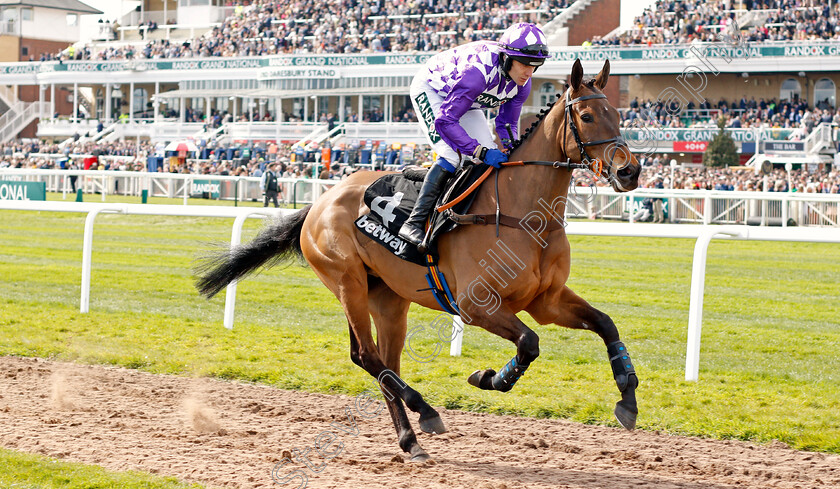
<point>581,126</point>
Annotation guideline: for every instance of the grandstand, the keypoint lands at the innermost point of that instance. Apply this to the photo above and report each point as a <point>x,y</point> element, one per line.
<point>336,73</point>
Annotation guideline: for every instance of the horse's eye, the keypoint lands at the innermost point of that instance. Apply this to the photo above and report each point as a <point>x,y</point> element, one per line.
<point>586,118</point>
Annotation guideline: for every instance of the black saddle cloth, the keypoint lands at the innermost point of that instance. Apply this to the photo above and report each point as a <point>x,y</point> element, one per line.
<point>391,199</point>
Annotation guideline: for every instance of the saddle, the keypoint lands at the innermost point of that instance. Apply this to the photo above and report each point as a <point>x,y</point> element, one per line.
<point>391,199</point>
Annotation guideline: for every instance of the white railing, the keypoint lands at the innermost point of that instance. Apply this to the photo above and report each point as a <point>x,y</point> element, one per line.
<point>9,96</point>
<point>8,116</point>
<point>170,185</point>
<point>556,30</point>
<point>711,206</point>
<point>682,206</point>
<point>820,138</point>
<point>21,119</point>
<point>405,132</point>
<point>703,235</point>
<point>92,210</point>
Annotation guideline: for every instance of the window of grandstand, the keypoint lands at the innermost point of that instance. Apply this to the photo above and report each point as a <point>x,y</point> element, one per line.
<point>825,93</point>
<point>26,13</point>
<point>546,94</point>
<point>372,108</point>
<point>791,89</point>
<point>141,97</point>
<point>72,19</point>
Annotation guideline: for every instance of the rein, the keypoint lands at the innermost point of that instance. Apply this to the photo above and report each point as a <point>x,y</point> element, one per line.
<point>565,165</point>
<point>587,162</point>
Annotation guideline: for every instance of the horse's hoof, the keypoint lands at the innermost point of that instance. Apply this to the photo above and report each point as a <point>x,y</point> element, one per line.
<point>432,425</point>
<point>419,456</point>
<point>626,415</point>
<point>483,379</point>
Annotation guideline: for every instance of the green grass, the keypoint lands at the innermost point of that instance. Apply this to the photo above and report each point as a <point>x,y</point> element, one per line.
<point>26,471</point>
<point>130,199</point>
<point>769,367</point>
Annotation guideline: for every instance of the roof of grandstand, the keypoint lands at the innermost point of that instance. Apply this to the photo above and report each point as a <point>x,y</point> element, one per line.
<point>70,5</point>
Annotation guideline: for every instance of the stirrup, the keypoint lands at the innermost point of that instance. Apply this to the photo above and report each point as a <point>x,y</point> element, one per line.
<point>416,242</point>
<point>424,245</point>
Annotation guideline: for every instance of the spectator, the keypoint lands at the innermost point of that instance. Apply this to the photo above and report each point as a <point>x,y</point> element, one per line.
<point>270,185</point>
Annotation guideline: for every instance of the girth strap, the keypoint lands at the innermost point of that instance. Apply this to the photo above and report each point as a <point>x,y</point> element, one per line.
<point>504,220</point>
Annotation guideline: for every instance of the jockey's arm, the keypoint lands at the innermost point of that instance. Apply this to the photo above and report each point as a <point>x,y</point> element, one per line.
<point>509,113</point>
<point>454,106</point>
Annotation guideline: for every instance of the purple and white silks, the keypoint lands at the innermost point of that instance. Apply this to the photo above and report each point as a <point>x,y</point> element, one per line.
<point>465,79</point>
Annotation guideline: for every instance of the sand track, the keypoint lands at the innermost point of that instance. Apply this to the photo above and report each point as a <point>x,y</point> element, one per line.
<point>226,434</point>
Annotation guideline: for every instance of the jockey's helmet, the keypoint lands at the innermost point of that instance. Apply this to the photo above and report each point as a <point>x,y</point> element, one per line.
<point>525,43</point>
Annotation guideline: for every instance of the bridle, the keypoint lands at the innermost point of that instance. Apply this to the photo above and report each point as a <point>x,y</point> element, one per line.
<point>594,164</point>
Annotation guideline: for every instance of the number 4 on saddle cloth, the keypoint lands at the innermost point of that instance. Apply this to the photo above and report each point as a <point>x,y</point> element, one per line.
<point>391,199</point>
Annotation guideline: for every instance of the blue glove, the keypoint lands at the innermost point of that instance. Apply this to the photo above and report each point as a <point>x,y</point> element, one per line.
<point>495,158</point>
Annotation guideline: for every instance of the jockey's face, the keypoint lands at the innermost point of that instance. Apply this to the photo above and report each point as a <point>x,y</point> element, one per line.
<point>520,73</point>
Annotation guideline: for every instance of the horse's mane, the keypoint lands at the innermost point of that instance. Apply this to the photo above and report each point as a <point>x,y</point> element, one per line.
<point>544,112</point>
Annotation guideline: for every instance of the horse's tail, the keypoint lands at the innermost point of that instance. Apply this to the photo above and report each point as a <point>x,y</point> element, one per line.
<point>276,242</point>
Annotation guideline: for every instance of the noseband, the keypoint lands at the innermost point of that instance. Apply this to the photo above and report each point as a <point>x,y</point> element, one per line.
<point>594,164</point>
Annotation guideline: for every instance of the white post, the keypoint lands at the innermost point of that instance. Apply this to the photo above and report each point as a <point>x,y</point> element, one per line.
<point>457,337</point>
<point>108,103</point>
<point>41,90</point>
<point>187,183</point>
<point>156,104</point>
<point>52,100</point>
<point>785,203</point>
<point>695,307</point>
<point>131,103</point>
<point>76,104</point>
<point>87,247</point>
<point>230,293</point>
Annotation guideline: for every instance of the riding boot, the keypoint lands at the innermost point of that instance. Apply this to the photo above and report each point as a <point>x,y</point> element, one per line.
<point>413,230</point>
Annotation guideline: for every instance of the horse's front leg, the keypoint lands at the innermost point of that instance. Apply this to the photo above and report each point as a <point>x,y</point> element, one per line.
<point>505,324</point>
<point>569,310</point>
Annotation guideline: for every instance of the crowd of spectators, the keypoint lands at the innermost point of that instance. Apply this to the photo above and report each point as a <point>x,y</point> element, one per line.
<point>741,180</point>
<point>267,27</point>
<point>685,21</point>
<point>744,113</point>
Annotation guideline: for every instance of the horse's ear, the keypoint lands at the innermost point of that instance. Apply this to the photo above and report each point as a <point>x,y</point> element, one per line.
<point>603,76</point>
<point>577,75</point>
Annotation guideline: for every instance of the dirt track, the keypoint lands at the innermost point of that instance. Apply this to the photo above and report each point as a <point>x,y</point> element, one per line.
<point>232,435</point>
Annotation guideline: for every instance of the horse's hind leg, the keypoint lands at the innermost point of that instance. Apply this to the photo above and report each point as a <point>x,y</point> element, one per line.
<point>343,272</point>
<point>390,313</point>
<point>569,310</point>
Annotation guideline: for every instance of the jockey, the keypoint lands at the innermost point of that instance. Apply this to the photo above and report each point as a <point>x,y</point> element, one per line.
<point>448,95</point>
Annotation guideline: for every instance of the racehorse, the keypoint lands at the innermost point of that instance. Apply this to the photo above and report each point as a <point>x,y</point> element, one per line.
<point>581,126</point>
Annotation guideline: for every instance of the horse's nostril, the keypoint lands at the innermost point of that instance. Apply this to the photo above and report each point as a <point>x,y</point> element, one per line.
<point>626,171</point>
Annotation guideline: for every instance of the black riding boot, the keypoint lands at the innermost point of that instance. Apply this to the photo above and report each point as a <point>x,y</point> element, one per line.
<point>413,230</point>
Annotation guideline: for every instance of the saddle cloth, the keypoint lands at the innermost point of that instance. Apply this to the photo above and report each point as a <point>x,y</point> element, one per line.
<point>391,199</point>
